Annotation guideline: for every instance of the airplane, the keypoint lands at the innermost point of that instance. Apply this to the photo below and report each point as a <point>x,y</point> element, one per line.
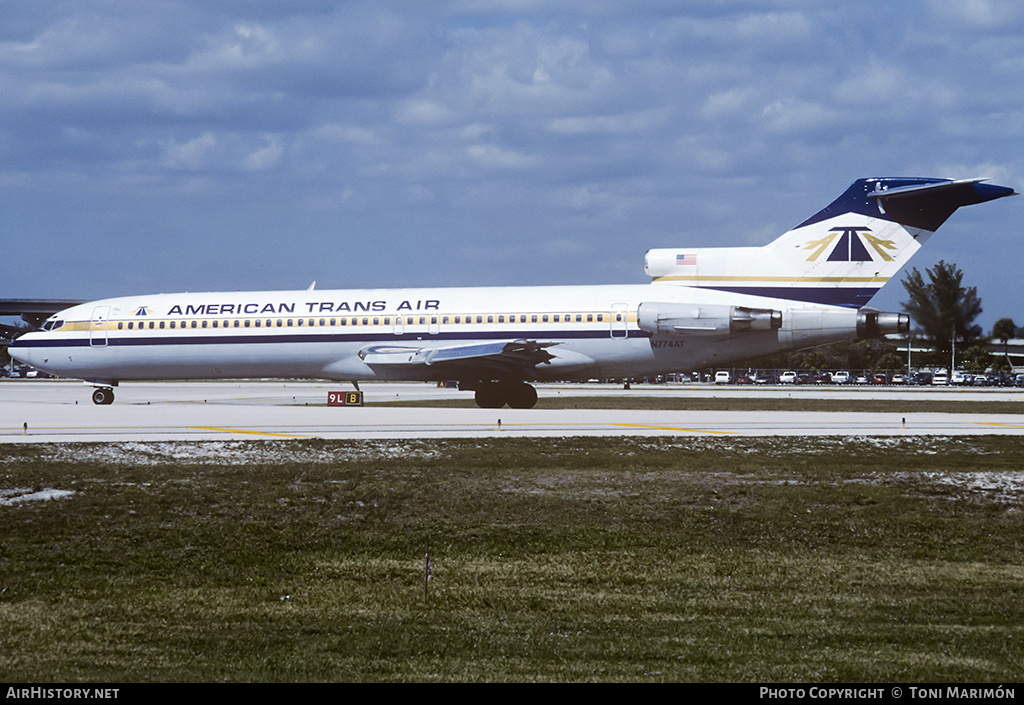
<point>704,307</point>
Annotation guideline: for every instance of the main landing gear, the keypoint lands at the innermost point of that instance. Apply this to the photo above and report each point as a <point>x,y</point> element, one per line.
<point>103,396</point>
<point>494,395</point>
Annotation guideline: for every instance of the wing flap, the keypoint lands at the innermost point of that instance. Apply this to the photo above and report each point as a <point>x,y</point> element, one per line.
<point>524,353</point>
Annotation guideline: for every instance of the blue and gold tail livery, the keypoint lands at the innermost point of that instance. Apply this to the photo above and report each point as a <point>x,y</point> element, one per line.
<point>842,255</point>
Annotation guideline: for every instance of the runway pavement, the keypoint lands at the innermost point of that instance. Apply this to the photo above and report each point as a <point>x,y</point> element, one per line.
<point>38,411</point>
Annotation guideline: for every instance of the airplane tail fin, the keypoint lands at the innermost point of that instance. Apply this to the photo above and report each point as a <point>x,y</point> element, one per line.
<point>842,255</point>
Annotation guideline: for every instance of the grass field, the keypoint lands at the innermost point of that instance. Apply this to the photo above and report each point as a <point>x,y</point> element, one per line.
<point>826,560</point>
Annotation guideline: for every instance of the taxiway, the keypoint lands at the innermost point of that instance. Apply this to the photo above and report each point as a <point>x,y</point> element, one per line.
<point>38,411</point>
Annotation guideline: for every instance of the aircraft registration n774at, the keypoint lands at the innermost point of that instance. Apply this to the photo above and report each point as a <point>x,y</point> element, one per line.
<point>704,307</point>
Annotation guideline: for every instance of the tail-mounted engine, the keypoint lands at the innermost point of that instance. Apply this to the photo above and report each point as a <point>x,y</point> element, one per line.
<point>672,319</point>
<point>872,323</point>
<point>698,319</point>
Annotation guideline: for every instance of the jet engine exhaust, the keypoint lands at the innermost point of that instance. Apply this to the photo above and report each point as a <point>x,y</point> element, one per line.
<point>872,323</point>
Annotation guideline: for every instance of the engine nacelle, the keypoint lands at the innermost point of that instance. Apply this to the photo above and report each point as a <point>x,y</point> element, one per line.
<point>662,318</point>
<point>872,323</point>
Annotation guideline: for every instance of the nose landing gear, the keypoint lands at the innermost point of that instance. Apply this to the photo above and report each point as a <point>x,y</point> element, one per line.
<point>102,396</point>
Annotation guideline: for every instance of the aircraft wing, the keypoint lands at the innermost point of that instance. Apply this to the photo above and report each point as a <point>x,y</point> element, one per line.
<point>499,357</point>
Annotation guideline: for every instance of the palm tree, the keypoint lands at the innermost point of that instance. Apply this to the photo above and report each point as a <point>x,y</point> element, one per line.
<point>944,308</point>
<point>1004,329</point>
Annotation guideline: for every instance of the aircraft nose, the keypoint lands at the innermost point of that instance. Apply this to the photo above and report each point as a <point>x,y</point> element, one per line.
<point>22,351</point>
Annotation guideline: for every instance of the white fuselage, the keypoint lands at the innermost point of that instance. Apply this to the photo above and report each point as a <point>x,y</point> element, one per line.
<point>706,307</point>
<point>593,331</point>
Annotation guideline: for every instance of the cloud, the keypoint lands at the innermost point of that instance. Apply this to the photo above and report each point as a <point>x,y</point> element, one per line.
<point>319,134</point>
<point>264,157</point>
<point>193,154</point>
<point>492,157</point>
<point>629,123</point>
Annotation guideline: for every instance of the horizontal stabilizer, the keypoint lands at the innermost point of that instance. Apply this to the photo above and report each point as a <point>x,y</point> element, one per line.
<point>918,203</point>
<point>927,206</point>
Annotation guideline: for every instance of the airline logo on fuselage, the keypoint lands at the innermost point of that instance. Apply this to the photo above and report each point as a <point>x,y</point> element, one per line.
<point>305,308</point>
<point>852,245</point>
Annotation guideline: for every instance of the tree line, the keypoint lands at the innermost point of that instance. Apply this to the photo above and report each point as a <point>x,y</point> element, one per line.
<point>944,312</point>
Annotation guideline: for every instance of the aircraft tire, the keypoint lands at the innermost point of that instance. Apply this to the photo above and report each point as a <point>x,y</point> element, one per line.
<point>522,396</point>
<point>490,396</point>
<point>103,396</point>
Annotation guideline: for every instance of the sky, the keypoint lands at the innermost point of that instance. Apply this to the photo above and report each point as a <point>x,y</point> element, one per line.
<point>176,145</point>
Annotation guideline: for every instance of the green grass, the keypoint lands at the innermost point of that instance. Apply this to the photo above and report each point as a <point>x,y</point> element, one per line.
<point>554,560</point>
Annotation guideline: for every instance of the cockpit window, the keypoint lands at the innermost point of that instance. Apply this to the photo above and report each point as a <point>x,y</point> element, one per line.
<point>53,324</point>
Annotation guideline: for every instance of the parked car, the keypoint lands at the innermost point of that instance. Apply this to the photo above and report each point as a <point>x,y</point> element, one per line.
<point>960,378</point>
<point>899,378</point>
<point>723,377</point>
<point>787,377</point>
<point>765,378</point>
<point>880,378</point>
<point>940,379</point>
<point>805,378</point>
<point>841,377</point>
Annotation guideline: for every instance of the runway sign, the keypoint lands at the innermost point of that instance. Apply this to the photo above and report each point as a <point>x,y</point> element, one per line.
<point>344,398</point>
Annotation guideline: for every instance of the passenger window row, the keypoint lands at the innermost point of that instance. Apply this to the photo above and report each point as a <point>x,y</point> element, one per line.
<point>367,321</point>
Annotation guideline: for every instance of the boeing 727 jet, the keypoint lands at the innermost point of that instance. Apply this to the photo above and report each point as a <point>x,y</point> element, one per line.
<point>704,307</point>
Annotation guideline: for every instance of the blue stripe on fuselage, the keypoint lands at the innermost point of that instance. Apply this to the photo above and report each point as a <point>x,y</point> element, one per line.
<point>848,297</point>
<point>379,337</point>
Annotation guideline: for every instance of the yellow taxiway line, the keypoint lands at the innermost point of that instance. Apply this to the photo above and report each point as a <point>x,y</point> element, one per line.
<point>671,428</point>
<point>993,423</point>
<point>242,430</point>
